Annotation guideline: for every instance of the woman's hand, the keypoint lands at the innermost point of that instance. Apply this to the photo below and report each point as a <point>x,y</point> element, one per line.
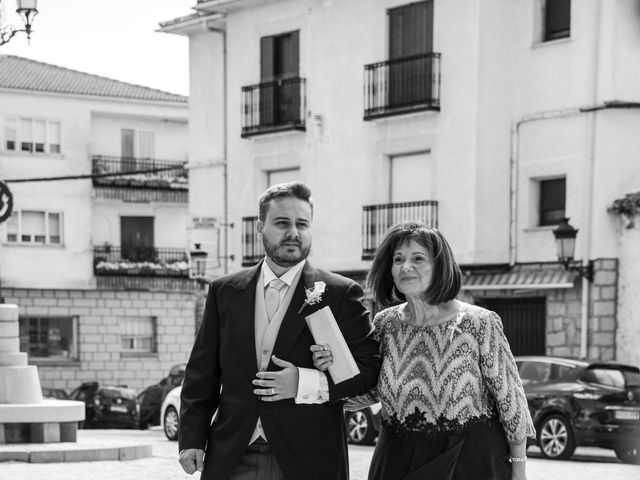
<point>322,358</point>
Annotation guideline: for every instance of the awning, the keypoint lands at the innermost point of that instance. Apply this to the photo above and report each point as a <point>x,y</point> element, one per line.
<point>520,279</point>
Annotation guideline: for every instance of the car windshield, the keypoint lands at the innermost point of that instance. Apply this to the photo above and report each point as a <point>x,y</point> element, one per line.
<point>118,392</point>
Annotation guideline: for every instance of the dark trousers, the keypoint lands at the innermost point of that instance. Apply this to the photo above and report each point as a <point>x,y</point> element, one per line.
<point>258,463</point>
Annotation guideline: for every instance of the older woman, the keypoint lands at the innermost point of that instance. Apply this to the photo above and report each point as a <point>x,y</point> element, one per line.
<point>453,406</point>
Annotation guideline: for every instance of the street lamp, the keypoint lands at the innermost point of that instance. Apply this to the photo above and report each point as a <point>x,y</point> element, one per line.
<point>198,267</point>
<point>565,236</point>
<point>27,9</point>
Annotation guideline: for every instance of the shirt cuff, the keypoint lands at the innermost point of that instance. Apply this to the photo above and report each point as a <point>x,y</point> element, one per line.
<point>313,386</point>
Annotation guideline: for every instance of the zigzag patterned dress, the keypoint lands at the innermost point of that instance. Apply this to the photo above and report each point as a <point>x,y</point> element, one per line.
<point>451,399</point>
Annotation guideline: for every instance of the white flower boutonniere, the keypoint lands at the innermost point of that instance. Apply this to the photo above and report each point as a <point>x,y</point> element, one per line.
<point>314,295</point>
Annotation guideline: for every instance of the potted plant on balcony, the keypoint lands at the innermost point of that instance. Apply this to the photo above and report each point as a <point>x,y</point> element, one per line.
<point>627,207</point>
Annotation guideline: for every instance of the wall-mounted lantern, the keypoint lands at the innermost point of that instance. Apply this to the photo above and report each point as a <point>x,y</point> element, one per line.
<point>565,236</point>
<point>27,9</point>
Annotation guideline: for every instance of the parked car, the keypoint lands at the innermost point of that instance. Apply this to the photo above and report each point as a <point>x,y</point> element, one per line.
<point>108,405</point>
<point>170,413</point>
<point>151,397</point>
<point>57,393</point>
<point>583,403</point>
<point>362,426</point>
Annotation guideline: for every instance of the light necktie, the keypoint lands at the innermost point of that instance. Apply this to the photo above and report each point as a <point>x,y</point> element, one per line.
<point>272,297</point>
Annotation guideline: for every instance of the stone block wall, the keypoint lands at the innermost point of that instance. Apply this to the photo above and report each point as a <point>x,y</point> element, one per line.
<point>98,333</point>
<point>603,310</point>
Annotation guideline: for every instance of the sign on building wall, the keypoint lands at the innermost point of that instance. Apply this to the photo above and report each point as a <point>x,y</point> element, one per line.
<point>6,202</point>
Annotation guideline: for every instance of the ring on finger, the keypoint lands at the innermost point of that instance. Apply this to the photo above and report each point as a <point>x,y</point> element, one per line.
<point>273,391</point>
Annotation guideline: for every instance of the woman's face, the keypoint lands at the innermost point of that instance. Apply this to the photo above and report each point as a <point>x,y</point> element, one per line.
<point>412,269</point>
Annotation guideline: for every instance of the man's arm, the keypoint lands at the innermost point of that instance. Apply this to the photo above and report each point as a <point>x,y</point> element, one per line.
<point>200,394</point>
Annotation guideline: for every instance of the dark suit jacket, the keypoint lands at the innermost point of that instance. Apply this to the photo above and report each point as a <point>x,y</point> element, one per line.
<point>309,441</point>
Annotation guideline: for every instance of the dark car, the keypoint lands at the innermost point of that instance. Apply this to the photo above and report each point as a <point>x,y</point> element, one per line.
<point>363,426</point>
<point>108,405</point>
<point>583,403</point>
<point>151,398</point>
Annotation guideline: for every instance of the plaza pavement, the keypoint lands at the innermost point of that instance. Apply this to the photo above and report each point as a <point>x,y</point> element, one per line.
<point>587,464</point>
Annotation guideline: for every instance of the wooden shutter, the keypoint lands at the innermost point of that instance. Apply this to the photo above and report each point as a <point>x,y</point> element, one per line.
<point>266,58</point>
<point>557,19</point>
<point>411,29</point>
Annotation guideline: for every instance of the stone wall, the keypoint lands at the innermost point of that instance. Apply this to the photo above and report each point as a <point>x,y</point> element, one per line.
<point>98,333</point>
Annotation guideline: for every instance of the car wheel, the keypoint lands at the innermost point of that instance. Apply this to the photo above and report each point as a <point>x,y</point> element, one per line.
<point>628,455</point>
<point>171,423</point>
<point>555,438</point>
<point>360,429</point>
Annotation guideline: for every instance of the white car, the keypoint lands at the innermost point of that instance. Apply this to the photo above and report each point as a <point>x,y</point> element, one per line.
<point>170,413</point>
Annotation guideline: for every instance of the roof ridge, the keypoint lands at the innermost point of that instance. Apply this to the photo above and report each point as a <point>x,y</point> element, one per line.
<point>92,75</point>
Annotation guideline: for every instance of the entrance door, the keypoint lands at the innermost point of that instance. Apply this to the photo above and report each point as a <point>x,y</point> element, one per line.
<point>136,239</point>
<point>524,321</point>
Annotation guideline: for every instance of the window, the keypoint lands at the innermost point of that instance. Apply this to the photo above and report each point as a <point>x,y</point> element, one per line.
<point>31,135</point>
<point>138,335</point>
<point>279,71</point>
<point>35,227</point>
<point>282,176</point>
<point>50,338</point>
<point>552,201</point>
<point>557,19</point>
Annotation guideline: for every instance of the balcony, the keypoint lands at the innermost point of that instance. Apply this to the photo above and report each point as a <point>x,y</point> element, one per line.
<point>403,85</point>
<point>252,248</point>
<point>140,261</point>
<point>139,179</point>
<point>274,107</point>
<point>376,220</point>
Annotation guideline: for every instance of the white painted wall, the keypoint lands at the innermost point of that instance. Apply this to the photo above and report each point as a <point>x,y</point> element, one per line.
<point>86,122</point>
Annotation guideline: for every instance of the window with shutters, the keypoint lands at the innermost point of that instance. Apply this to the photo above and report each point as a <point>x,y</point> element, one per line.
<point>278,101</point>
<point>557,19</point>
<point>30,135</point>
<point>34,227</point>
<point>409,80</point>
<point>138,335</point>
<point>552,201</point>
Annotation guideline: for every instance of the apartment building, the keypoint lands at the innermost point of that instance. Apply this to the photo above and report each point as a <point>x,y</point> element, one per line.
<point>94,253</point>
<point>491,120</point>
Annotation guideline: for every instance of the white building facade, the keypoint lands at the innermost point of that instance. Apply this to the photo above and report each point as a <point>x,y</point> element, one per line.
<point>490,120</point>
<point>94,253</point>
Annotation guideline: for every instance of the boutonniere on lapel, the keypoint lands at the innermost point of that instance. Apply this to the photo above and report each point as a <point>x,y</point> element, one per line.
<point>314,295</point>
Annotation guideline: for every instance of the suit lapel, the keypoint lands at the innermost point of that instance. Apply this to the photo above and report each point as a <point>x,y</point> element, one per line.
<point>293,322</point>
<point>243,323</point>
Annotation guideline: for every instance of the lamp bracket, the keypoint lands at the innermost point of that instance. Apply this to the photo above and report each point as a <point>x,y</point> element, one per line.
<point>585,271</point>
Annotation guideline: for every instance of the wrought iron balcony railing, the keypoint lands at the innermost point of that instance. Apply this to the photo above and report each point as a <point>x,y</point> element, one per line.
<point>376,220</point>
<point>140,261</point>
<point>142,173</point>
<point>402,85</point>
<point>273,107</point>
<point>252,248</point>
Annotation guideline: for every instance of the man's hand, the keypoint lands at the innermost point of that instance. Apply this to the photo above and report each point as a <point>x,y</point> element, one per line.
<point>277,385</point>
<point>191,460</point>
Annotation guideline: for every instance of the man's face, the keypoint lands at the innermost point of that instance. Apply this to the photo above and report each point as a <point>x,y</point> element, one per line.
<point>286,231</point>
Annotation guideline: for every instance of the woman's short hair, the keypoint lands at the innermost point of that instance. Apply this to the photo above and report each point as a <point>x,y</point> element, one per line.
<point>291,189</point>
<point>446,279</point>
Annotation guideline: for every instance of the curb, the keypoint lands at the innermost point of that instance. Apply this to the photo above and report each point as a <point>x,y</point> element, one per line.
<point>58,455</point>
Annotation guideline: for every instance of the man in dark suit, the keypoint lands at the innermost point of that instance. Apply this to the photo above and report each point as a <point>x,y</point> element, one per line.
<point>276,417</point>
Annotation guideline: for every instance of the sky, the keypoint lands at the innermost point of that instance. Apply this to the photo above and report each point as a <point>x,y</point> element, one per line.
<point>112,38</point>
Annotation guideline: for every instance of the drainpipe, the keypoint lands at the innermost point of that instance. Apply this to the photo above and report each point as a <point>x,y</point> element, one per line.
<point>225,221</point>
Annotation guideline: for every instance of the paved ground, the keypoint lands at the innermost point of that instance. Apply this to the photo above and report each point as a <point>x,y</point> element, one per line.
<point>587,464</point>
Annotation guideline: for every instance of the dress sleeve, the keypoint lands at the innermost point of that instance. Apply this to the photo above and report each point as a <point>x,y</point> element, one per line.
<point>353,404</point>
<point>500,375</point>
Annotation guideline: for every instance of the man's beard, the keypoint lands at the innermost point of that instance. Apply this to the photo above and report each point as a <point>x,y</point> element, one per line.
<point>284,259</point>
